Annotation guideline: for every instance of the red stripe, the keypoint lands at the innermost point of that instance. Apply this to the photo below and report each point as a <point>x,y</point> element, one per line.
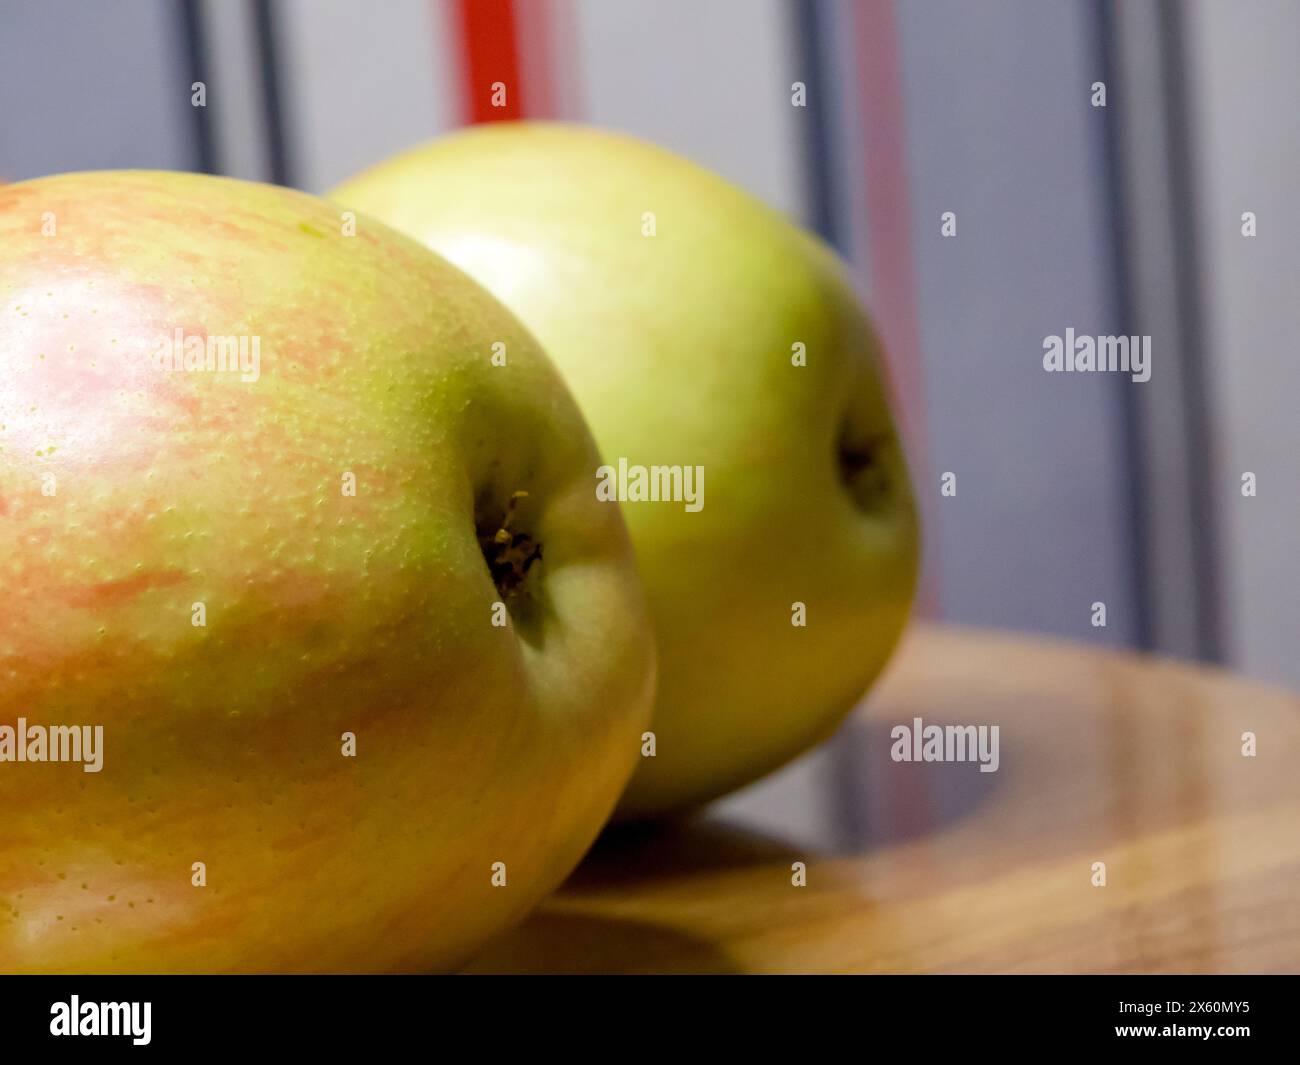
<point>889,240</point>
<point>490,51</point>
<point>537,60</point>
<point>548,58</point>
<point>889,236</point>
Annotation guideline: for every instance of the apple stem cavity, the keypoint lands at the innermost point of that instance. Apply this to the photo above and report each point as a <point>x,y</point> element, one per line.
<point>863,473</point>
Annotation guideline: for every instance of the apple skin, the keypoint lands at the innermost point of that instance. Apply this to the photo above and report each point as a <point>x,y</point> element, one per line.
<point>325,613</point>
<point>678,347</point>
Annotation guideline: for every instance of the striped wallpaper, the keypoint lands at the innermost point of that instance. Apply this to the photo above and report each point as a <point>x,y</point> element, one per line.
<point>1115,220</point>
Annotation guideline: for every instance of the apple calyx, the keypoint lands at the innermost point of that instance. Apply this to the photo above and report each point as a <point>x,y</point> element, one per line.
<point>862,471</point>
<point>509,553</point>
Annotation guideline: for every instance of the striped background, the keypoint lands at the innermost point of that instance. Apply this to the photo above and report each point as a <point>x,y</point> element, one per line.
<point>1117,220</point>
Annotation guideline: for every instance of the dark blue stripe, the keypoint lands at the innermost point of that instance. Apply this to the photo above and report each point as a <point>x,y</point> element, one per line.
<point>1134,474</point>
<point>813,67</point>
<point>1187,273</point>
<point>272,94</point>
<point>196,59</point>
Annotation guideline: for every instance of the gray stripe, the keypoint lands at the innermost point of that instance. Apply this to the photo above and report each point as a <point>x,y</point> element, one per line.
<point>1173,440</point>
<point>1133,473</point>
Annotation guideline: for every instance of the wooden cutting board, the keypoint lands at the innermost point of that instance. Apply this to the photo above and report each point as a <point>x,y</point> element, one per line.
<point>929,866</point>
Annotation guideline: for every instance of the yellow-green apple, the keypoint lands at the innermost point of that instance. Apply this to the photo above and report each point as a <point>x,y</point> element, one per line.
<point>698,328</point>
<point>299,517</point>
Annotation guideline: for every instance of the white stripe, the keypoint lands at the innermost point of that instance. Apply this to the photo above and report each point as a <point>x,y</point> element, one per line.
<point>363,80</point>
<point>707,78</point>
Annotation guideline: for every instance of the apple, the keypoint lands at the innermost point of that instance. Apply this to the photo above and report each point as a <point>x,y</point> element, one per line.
<point>698,328</point>
<point>299,523</point>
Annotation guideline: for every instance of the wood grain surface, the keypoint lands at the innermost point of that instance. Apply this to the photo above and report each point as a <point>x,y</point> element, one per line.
<point>935,867</point>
